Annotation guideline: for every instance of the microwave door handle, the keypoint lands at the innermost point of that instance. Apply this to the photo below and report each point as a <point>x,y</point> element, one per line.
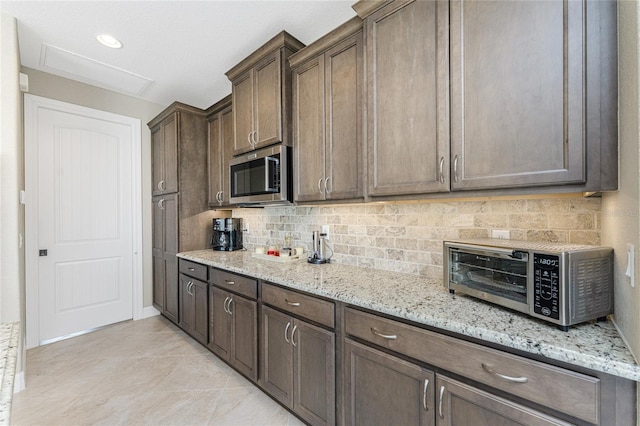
<point>267,173</point>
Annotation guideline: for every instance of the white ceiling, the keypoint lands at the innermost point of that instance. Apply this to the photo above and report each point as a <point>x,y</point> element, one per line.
<point>183,47</point>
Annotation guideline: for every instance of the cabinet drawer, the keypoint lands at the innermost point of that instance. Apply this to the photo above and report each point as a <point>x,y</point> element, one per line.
<point>233,282</point>
<point>309,307</point>
<point>193,269</point>
<point>566,391</point>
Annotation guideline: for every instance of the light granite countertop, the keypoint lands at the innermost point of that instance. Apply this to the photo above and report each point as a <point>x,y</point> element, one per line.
<point>9,338</point>
<point>597,346</point>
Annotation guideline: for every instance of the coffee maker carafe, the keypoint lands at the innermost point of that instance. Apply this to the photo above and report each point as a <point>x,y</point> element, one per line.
<point>227,234</point>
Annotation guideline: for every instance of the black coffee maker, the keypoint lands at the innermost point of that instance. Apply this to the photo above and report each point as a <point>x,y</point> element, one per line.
<point>227,234</point>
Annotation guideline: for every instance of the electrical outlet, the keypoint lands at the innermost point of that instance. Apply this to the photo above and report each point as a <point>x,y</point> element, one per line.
<point>503,234</point>
<point>325,230</point>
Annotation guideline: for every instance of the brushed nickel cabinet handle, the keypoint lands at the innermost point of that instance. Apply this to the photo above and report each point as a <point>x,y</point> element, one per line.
<point>440,413</point>
<point>456,177</point>
<point>319,187</point>
<point>293,333</point>
<point>229,306</point>
<point>424,394</point>
<point>384,336</point>
<point>326,181</point>
<point>490,370</point>
<point>191,269</point>
<point>290,303</point>
<point>161,186</point>
<point>441,170</point>
<point>253,134</point>
<point>229,282</point>
<point>224,306</point>
<point>249,138</point>
<point>161,204</point>
<point>286,329</point>
<point>219,196</point>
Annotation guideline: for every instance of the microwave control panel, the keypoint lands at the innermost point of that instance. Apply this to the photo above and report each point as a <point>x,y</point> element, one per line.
<point>546,279</point>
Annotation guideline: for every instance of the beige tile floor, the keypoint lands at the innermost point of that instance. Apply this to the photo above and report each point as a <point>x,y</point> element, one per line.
<point>135,373</point>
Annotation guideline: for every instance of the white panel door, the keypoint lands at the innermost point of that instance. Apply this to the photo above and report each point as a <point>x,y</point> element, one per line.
<point>85,222</point>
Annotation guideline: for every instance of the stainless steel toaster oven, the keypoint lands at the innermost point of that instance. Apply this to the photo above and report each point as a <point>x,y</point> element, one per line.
<point>564,284</point>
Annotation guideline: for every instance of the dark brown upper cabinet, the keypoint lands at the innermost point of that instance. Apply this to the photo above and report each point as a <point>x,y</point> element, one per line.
<point>328,79</point>
<point>221,146</point>
<point>164,165</point>
<point>521,96</point>
<point>490,96</point>
<point>408,99</point>
<point>261,95</point>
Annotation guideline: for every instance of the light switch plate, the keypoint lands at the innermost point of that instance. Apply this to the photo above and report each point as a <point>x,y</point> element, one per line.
<point>631,265</point>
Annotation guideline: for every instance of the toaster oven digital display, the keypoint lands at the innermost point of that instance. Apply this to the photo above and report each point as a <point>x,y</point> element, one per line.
<point>546,285</point>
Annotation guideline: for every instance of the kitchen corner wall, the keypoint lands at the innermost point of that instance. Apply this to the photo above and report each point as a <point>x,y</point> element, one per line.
<point>404,237</point>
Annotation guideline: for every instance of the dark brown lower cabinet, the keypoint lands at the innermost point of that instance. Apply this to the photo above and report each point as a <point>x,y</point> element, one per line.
<point>381,389</point>
<point>165,262</point>
<point>233,330</point>
<point>298,366</point>
<point>194,307</point>
<point>460,404</point>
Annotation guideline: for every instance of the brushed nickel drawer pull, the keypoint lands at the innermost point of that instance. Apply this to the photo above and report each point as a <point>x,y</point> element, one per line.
<point>191,269</point>
<point>424,394</point>
<point>384,336</point>
<point>502,376</point>
<point>440,403</point>
<point>229,282</point>
<point>441,177</point>
<point>292,303</point>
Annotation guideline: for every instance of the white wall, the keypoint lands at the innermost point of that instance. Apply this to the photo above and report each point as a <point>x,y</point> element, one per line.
<point>11,180</point>
<point>62,89</point>
<point>621,209</point>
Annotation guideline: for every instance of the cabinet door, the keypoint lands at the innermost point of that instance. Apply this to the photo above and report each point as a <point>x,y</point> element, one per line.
<point>164,146</point>
<point>314,373</point>
<point>381,389</point>
<point>226,151</point>
<point>244,349</point>
<point>517,93</point>
<point>157,162</point>
<point>344,144</point>
<point>308,131</point>
<point>214,159</point>
<point>165,262</point>
<point>408,118</point>
<point>242,95</point>
<point>158,255</point>
<point>158,281</point>
<point>277,355</point>
<point>268,101</point>
<point>219,323</point>
<point>170,135</point>
<point>200,329</point>
<point>460,404</point>
<point>186,303</point>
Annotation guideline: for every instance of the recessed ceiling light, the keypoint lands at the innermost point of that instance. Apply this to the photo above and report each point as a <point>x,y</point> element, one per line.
<point>109,41</point>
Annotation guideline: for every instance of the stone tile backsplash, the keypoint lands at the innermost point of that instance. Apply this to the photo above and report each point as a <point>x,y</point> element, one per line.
<point>408,237</point>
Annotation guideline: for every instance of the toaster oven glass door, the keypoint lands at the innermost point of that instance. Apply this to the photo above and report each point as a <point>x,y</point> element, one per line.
<point>502,276</point>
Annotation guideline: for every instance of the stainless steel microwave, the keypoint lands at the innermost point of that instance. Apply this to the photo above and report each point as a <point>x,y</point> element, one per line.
<point>564,284</point>
<point>261,177</point>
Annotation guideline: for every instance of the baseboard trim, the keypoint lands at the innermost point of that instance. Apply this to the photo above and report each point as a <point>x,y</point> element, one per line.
<point>148,312</point>
<point>18,382</point>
